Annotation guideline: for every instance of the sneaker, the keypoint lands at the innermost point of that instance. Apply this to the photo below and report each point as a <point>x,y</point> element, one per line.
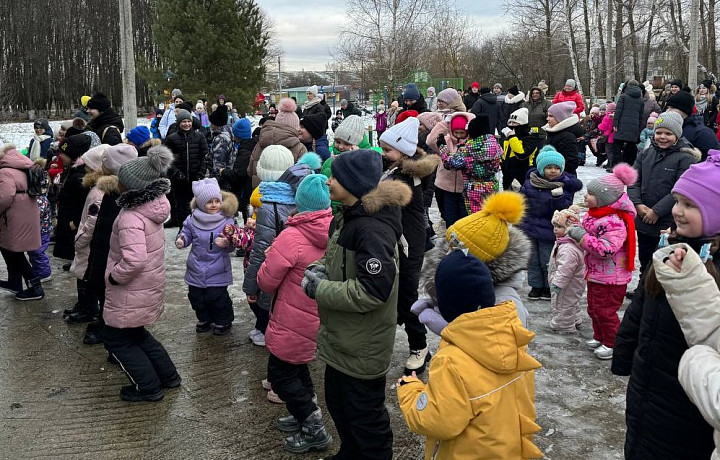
<point>31,293</point>
<point>203,326</point>
<point>223,329</point>
<point>274,398</point>
<point>535,294</point>
<point>129,393</point>
<point>545,294</point>
<point>311,436</point>
<point>46,279</point>
<point>417,361</point>
<point>592,344</point>
<point>257,338</point>
<point>603,352</point>
<point>10,286</point>
<point>266,384</point>
<point>173,383</point>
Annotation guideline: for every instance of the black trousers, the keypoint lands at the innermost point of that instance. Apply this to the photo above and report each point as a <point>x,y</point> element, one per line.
<point>262,317</point>
<point>212,304</point>
<point>87,299</point>
<point>357,408</point>
<point>647,244</point>
<point>440,200</point>
<point>407,295</point>
<point>624,152</point>
<point>142,358</point>
<point>512,168</point>
<point>18,268</point>
<point>293,384</point>
<point>180,204</point>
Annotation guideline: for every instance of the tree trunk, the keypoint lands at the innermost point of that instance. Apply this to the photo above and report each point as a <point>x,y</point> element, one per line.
<point>619,70</point>
<point>590,63</point>
<point>610,69</point>
<point>633,41</point>
<point>712,46</point>
<point>648,39</point>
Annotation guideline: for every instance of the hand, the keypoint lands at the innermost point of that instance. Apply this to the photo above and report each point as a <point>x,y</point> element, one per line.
<point>641,210</point>
<point>507,131</point>
<point>401,381</point>
<point>650,217</point>
<point>311,281</point>
<point>557,191</point>
<point>73,227</point>
<point>180,243</point>
<point>576,232</point>
<point>222,242</point>
<point>251,298</point>
<point>676,259</point>
<point>318,268</point>
<point>250,224</point>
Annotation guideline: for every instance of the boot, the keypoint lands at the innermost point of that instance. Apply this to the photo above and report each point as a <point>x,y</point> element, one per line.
<point>417,361</point>
<point>94,333</point>
<point>69,311</point>
<point>11,285</point>
<point>129,393</point>
<point>34,292</point>
<point>287,424</point>
<point>312,435</point>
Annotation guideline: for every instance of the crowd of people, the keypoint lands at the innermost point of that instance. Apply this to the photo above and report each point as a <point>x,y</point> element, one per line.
<point>339,249</point>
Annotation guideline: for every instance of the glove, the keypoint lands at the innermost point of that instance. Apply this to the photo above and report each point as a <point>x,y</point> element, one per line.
<point>311,281</point>
<point>557,191</point>
<point>318,268</point>
<point>506,131</point>
<point>576,232</point>
<point>555,289</point>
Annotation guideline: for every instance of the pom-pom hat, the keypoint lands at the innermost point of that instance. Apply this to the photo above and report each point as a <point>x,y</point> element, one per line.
<point>138,174</point>
<point>609,188</point>
<point>286,113</point>
<point>701,184</point>
<point>549,156</point>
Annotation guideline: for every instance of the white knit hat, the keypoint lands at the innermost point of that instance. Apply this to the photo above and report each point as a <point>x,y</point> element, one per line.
<point>313,89</point>
<point>520,116</point>
<point>351,130</point>
<point>274,160</point>
<point>403,136</point>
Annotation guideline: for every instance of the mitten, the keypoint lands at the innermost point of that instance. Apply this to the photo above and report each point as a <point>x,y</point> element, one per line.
<point>576,232</point>
<point>311,281</point>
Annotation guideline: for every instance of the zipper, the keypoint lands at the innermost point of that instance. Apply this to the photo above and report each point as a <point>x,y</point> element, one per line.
<point>187,158</point>
<point>436,450</point>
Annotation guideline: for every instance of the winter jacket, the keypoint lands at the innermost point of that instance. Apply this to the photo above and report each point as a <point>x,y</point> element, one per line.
<point>662,423</point>
<point>537,112</point>
<point>479,161</point>
<point>574,96</point>
<point>563,136</point>
<point>189,150</point>
<point>351,110</point>
<point>381,121</point>
<point>658,170</point>
<point>471,98</point>
<point>274,133</point>
<point>47,140</point>
<point>445,179</point>
<point>100,241</point>
<point>605,245</point>
<point>565,270</point>
<point>488,104</point>
<point>222,151</point>
<point>167,120</point>
<point>135,273</point>
<point>542,203</point>
<point>606,128</point>
<point>357,305</point>
<point>522,149</point>
<point>510,104</point>
<point>699,135</point>
<point>319,146</point>
<point>19,212</point>
<point>292,331</point>
<point>208,265</point>
<point>71,204</point>
<point>142,149</point>
<point>88,219</point>
<point>236,179</point>
<point>479,402</point>
<point>628,119</point>
<point>155,128</point>
<point>316,106</point>
<point>108,126</point>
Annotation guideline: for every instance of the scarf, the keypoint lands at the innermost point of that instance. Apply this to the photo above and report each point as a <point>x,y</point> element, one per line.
<point>539,182</point>
<point>309,104</point>
<point>629,225</point>
<point>34,153</point>
<point>205,221</point>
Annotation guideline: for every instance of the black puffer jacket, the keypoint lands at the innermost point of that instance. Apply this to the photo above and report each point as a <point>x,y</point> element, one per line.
<point>470,99</point>
<point>563,136</point>
<point>189,150</point>
<point>108,126</point>
<point>628,119</point>
<point>71,202</point>
<point>662,423</point>
<point>236,179</point>
<point>100,242</point>
<point>488,104</point>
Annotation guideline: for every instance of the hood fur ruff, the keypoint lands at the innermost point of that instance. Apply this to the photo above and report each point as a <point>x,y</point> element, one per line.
<point>692,151</point>
<point>229,206</point>
<point>420,165</point>
<point>134,198</point>
<point>388,193</point>
<point>566,123</point>
<point>513,260</point>
<point>90,179</point>
<point>108,184</point>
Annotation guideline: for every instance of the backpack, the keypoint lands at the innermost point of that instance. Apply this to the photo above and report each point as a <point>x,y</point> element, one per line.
<point>38,181</point>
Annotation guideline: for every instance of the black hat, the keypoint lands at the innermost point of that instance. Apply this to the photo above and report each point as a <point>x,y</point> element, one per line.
<point>479,126</point>
<point>358,171</point>
<point>160,112</point>
<point>682,101</point>
<point>219,117</point>
<point>99,102</point>
<point>676,82</point>
<point>484,90</point>
<point>42,123</point>
<point>513,90</point>
<point>187,105</point>
<point>78,126</point>
<point>463,284</point>
<point>315,123</point>
<point>75,146</point>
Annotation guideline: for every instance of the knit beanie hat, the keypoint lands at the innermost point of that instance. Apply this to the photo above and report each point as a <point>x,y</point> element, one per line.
<point>286,113</point>
<point>474,85</point>
<point>358,171</point>
<point>567,217</point>
<point>219,117</point>
<point>685,102</point>
<point>343,102</point>
<point>701,184</point>
<point>99,102</point>
<point>42,123</point>
<point>497,85</point>
<point>116,156</point>
<point>448,96</point>
<point>430,91</point>
<point>182,114</point>
<point>351,130</point>
<point>458,123</point>
<point>595,111</point>
<point>74,146</point>
<point>313,194</point>
<point>313,89</point>
<point>671,121</point>
<point>93,157</point>
<point>549,156</point>
<point>242,129</point>
<point>411,92</point>
<point>274,160</point>
<point>610,108</point>
<point>405,114</point>
<point>463,284</point>
<point>562,110</point>
<point>429,119</point>
<point>403,136</point>
<point>205,190</point>
<point>138,174</point>
<point>485,90</point>
<point>478,126</point>
<point>176,93</point>
<point>514,90</point>
<point>520,116</point>
<point>652,120</point>
<point>676,82</point>
<point>485,233</point>
<point>609,188</point>
<point>315,124</point>
<point>84,100</point>
<point>186,105</point>
<point>139,135</point>
<point>571,82</point>
<point>311,159</point>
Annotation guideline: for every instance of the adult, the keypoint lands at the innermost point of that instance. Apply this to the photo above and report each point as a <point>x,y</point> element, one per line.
<point>537,107</point>
<point>431,99</point>
<point>513,100</point>
<point>348,108</point>
<point>675,87</point>
<point>487,104</point>
<point>563,130</point>
<point>699,135</point>
<point>706,103</point>
<point>221,144</point>
<point>650,105</point>
<point>628,123</point>
<point>313,134</point>
<point>169,115</point>
<point>236,179</point>
<point>473,94</point>
<point>42,138</point>
<point>104,121</point>
<point>412,100</point>
<point>315,104</point>
<point>187,105</point>
<point>19,225</point>
<point>498,92</point>
<point>570,93</point>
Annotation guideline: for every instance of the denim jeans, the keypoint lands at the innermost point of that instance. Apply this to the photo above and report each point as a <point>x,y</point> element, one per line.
<point>538,266</point>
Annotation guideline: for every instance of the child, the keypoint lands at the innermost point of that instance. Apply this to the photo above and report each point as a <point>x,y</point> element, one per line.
<point>454,203</point>
<point>209,272</point>
<point>410,165</point>
<point>479,400</point>
<point>292,331</point>
<point>39,259</point>
<point>380,119</point>
<point>646,134</point>
<point>135,278</point>
<point>519,148</point>
<point>606,128</point>
<point>548,188</point>
<point>607,235</point>
<point>565,274</point>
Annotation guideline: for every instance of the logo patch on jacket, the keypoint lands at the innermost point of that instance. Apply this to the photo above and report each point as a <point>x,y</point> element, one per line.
<point>373,266</point>
<point>422,401</point>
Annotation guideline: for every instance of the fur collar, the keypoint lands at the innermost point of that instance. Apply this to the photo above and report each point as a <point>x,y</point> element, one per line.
<point>229,207</point>
<point>515,99</point>
<point>566,123</point>
<point>692,151</point>
<point>134,198</point>
<point>388,193</point>
<point>90,179</point>
<point>419,165</point>
<point>151,143</point>
<point>108,184</point>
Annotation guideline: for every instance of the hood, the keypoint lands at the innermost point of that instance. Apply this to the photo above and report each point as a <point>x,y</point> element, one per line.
<point>229,207</point>
<point>383,203</point>
<point>14,159</point>
<point>634,91</point>
<point>514,99</point>
<point>467,115</point>
<point>566,123</point>
<point>151,143</point>
<point>90,179</point>
<point>274,133</point>
<point>490,98</point>
<point>570,93</point>
<point>494,337</point>
<point>108,184</point>
<point>108,117</point>
<point>419,165</point>
<point>313,225</point>
<point>149,201</point>
<point>624,204</point>
<point>542,95</point>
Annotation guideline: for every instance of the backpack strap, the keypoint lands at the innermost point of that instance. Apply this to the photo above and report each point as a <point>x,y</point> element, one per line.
<point>102,138</point>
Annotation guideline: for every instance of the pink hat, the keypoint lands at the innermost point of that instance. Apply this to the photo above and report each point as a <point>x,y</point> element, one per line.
<point>116,156</point>
<point>429,119</point>
<point>458,123</point>
<point>701,184</point>
<point>286,113</point>
<point>562,110</point>
<point>611,106</point>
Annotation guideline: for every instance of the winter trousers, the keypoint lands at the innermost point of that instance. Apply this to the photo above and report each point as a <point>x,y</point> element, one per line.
<point>19,268</point>
<point>454,207</point>
<point>565,307</point>
<point>407,295</point>
<point>293,384</point>
<point>212,304</point>
<point>540,252</point>
<point>624,152</point>
<point>357,408</point>
<point>143,359</point>
<point>87,300</point>
<point>262,317</point>
<point>647,244</point>
<point>39,260</point>
<point>180,204</point>
<point>440,200</point>
<point>604,301</point>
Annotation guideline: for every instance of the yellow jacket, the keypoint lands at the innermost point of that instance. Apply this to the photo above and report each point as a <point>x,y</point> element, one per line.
<point>513,147</point>
<point>479,403</point>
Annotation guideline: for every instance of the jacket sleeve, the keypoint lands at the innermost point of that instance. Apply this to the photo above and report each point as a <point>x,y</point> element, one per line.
<point>7,191</point>
<point>699,375</point>
<point>453,160</point>
<point>579,103</point>
<point>633,190</point>
<point>280,258</point>
<point>86,229</point>
<point>133,254</point>
<point>432,138</point>
<point>165,121</point>
<point>619,109</point>
<point>264,236</point>
<point>441,409</point>
<point>567,261</point>
<point>609,243</point>
<point>664,206</point>
<point>626,340</point>
<point>186,231</point>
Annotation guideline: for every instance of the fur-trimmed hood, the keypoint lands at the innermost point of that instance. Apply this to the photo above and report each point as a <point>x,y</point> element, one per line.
<point>566,123</point>
<point>229,207</point>
<point>419,165</point>
<point>520,97</point>
<point>134,198</point>
<point>90,179</point>
<point>40,162</point>
<point>387,194</point>
<point>108,184</point>
<point>151,143</point>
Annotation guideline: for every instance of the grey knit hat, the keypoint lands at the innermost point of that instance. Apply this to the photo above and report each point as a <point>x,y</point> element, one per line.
<point>183,114</point>
<point>671,121</point>
<point>138,174</point>
<point>351,130</point>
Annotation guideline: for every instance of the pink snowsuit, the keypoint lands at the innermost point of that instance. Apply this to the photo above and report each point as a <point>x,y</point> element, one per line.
<point>565,270</point>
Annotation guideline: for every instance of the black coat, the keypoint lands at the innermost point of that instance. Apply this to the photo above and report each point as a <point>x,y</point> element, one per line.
<point>565,142</point>
<point>100,242</point>
<point>662,423</point>
<point>699,135</point>
<point>70,202</point>
<point>351,110</point>
<point>108,126</point>
<point>488,104</point>
<point>189,150</point>
<point>470,99</point>
<point>237,180</point>
<point>628,119</point>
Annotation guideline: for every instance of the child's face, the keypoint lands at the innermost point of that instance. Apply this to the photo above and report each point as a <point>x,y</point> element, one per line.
<point>552,172</point>
<point>410,102</point>
<point>591,200</point>
<point>559,230</point>
<point>460,134</point>
<point>687,217</point>
<point>343,146</point>
<point>338,192</point>
<point>422,129</point>
<point>551,120</point>
<point>442,105</point>
<point>186,124</point>
<point>40,131</point>
<point>390,153</point>
<point>61,133</point>
<point>664,138</point>
<point>212,206</point>
<point>650,125</point>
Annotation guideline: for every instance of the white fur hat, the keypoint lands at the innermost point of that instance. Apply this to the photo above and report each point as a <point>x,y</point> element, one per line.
<point>403,136</point>
<point>313,89</point>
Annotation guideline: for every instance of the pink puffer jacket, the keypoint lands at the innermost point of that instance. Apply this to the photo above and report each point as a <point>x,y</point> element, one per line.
<point>446,179</point>
<point>87,227</point>
<point>19,212</point>
<point>292,332</point>
<point>135,272</point>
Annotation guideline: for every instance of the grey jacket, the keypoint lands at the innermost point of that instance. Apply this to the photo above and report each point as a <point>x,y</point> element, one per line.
<point>628,120</point>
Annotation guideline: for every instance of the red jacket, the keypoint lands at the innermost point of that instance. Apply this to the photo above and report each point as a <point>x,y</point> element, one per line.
<point>564,96</point>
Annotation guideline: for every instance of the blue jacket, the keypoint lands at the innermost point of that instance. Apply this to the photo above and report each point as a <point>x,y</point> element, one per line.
<point>541,205</point>
<point>321,147</point>
<point>699,135</point>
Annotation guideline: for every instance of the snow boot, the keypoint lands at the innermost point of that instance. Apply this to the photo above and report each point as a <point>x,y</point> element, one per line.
<point>129,393</point>
<point>312,435</point>
<point>34,292</point>
<point>288,423</point>
<point>417,361</point>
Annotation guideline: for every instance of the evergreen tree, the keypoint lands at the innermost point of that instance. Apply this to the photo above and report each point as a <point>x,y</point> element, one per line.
<point>213,47</point>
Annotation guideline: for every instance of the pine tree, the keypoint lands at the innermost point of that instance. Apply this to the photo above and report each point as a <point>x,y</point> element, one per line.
<point>213,47</point>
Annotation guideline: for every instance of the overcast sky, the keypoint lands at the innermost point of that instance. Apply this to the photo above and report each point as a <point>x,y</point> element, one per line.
<point>308,28</point>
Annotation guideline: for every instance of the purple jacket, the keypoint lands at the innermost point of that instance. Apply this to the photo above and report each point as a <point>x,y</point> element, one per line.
<point>541,204</point>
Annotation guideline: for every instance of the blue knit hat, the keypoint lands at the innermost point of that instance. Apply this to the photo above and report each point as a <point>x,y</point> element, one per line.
<point>411,92</point>
<point>463,284</point>
<point>549,156</point>
<point>242,129</point>
<point>139,135</point>
<point>312,194</point>
<point>358,171</point>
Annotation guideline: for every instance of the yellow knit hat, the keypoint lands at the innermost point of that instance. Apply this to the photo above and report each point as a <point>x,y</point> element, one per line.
<point>485,233</point>
<point>84,100</point>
